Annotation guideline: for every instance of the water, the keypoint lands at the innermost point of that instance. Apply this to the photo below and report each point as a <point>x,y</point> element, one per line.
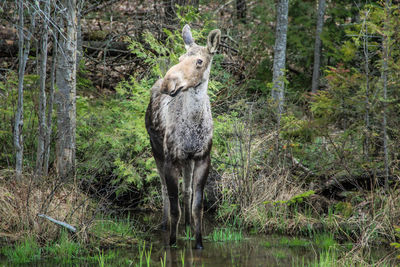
<point>251,251</point>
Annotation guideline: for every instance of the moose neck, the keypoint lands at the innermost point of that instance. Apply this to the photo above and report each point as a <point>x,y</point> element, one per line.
<point>196,98</point>
<point>195,101</point>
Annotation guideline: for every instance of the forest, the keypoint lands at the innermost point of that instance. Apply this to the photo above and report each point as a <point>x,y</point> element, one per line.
<point>305,157</point>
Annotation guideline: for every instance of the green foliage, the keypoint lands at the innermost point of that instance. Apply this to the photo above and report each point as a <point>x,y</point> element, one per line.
<point>295,129</point>
<point>294,200</point>
<point>325,241</point>
<point>24,252</point>
<point>344,208</point>
<point>112,140</point>
<point>65,250</point>
<point>396,244</point>
<point>8,106</point>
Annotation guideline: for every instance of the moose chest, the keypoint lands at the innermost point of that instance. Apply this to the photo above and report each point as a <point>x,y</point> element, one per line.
<point>189,127</point>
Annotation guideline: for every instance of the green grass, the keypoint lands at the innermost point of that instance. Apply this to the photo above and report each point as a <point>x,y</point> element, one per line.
<point>188,234</point>
<point>116,226</point>
<point>332,258</point>
<point>294,242</point>
<point>23,252</point>
<point>325,241</point>
<point>101,259</point>
<point>65,250</point>
<point>144,255</point>
<point>226,234</point>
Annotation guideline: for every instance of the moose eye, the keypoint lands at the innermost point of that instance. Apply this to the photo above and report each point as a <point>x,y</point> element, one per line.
<point>199,62</point>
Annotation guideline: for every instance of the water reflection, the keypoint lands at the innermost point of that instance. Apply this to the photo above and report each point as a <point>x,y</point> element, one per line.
<point>252,251</point>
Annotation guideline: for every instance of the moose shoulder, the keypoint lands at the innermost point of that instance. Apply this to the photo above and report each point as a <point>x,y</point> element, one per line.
<point>179,123</point>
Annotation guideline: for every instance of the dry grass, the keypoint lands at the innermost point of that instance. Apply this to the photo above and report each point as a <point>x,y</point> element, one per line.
<point>22,201</point>
<point>255,190</point>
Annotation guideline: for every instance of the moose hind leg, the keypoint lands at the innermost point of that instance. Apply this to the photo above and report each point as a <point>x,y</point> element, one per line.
<point>201,169</point>
<point>164,194</point>
<point>171,179</point>
<point>187,190</point>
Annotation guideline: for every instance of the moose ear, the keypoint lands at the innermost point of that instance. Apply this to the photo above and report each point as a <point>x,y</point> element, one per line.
<point>187,36</point>
<point>213,40</point>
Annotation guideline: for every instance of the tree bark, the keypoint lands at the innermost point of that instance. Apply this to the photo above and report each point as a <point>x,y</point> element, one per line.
<point>66,96</point>
<point>278,89</point>
<point>50,104</point>
<point>40,155</point>
<point>317,47</point>
<point>24,47</point>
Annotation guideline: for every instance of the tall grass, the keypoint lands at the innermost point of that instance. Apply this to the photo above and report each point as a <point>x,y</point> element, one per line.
<point>25,251</point>
<point>22,201</point>
<point>226,234</point>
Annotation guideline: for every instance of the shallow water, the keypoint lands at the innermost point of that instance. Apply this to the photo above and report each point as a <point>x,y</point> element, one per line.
<point>252,250</point>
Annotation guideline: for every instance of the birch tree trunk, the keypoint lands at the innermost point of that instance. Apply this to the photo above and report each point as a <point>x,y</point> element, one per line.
<point>278,89</point>
<point>40,155</point>
<point>24,46</point>
<point>66,96</point>
<point>317,47</point>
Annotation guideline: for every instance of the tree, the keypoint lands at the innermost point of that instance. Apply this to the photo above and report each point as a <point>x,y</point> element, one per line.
<point>40,155</point>
<point>66,96</point>
<point>24,47</point>
<point>278,89</point>
<point>384,77</point>
<point>317,47</point>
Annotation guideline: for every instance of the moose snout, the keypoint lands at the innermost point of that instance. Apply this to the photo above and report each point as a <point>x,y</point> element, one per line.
<point>171,87</point>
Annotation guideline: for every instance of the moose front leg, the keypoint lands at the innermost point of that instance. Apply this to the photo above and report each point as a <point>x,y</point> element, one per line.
<point>200,174</point>
<point>187,190</point>
<point>171,179</point>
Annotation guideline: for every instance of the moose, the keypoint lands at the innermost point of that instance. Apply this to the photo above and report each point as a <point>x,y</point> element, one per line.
<point>180,126</point>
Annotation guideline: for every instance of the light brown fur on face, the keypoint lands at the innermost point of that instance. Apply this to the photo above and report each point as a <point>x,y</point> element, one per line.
<point>188,72</point>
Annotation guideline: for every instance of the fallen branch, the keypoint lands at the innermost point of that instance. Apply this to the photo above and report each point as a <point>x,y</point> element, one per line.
<point>63,224</point>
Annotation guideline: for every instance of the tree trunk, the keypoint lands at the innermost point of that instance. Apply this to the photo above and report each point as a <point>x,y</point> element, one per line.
<point>241,10</point>
<point>79,39</point>
<point>278,89</point>
<point>317,47</point>
<point>385,82</point>
<point>24,47</point>
<point>40,155</point>
<point>367,107</point>
<point>66,96</point>
<point>50,104</point>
